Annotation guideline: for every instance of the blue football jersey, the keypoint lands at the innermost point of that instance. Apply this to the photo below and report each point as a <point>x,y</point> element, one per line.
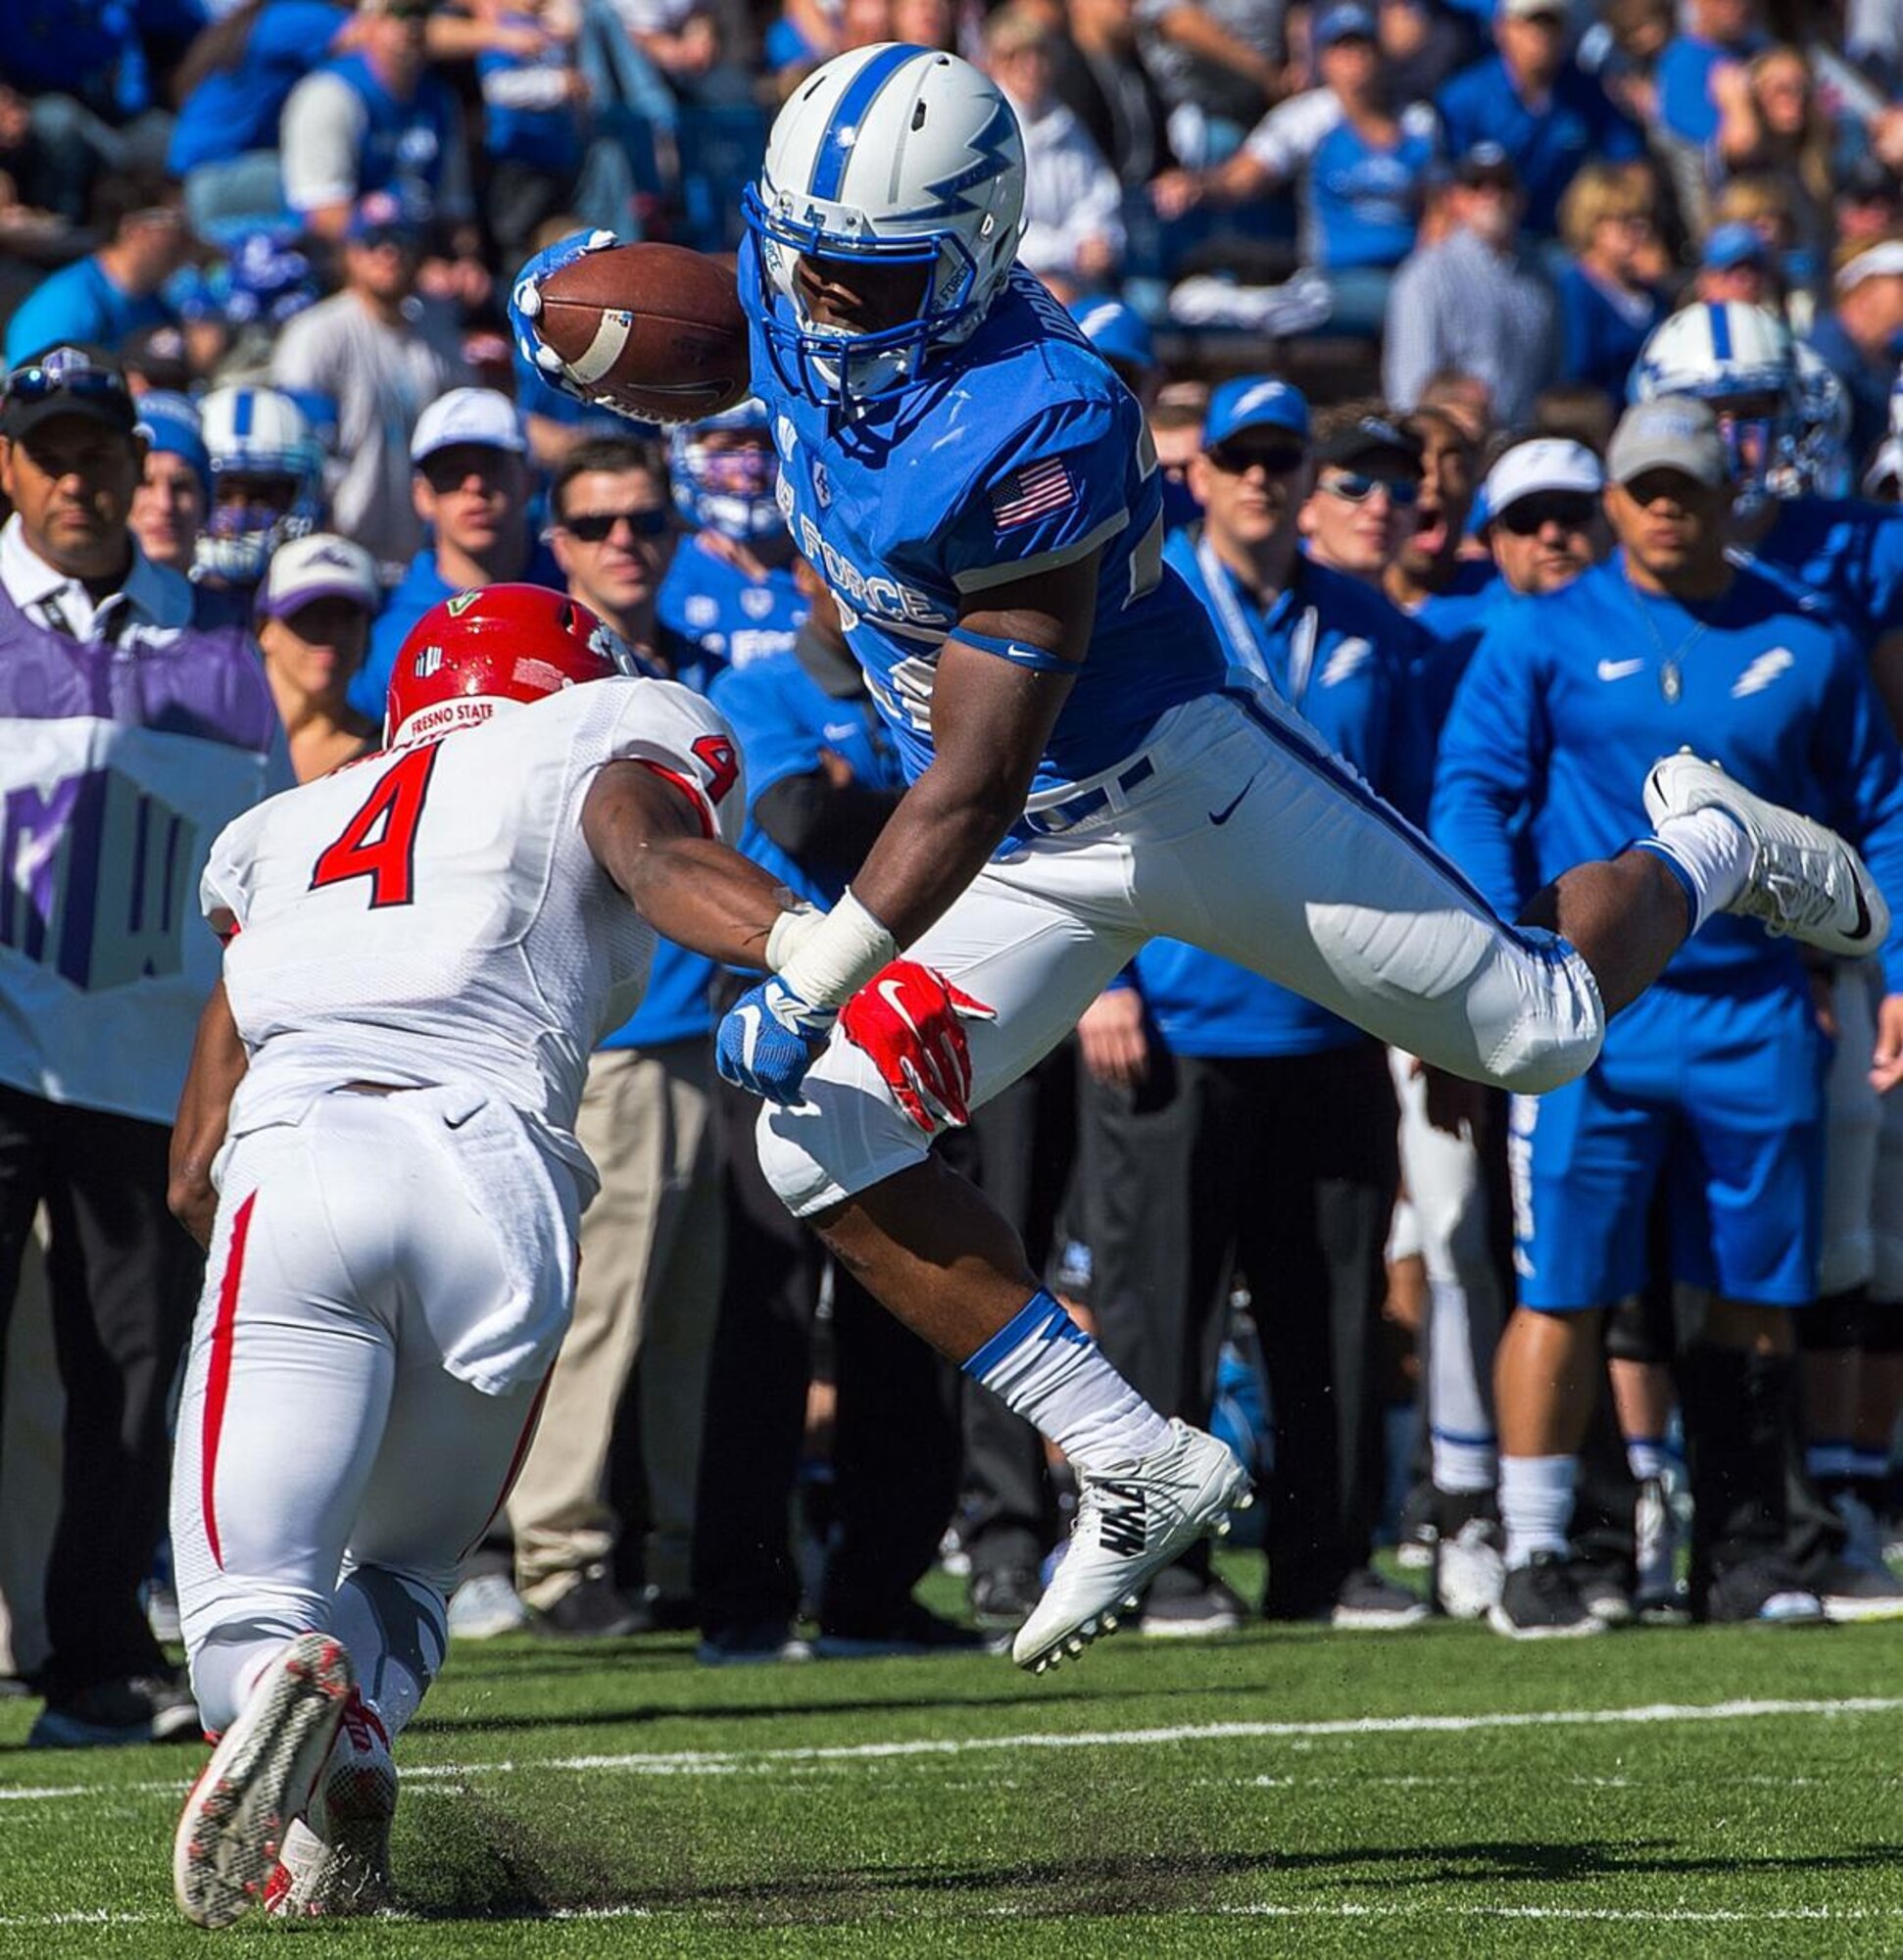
<point>1017,451</point>
<point>782,718</point>
<point>1570,699</point>
<point>1849,551</point>
<point>736,618</point>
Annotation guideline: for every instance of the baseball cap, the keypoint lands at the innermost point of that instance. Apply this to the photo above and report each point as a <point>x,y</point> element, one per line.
<point>169,422</point>
<point>1884,260</point>
<point>1344,23</point>
<point>1735,244</point>
<point>1528,10</point>
<point>381,217</point>
<point>1369,437</point>
<point>1546,464</point>
<point>1679,433</point>
<point>1254,401</point>
<point>1869,179</point>
<point>1485,163</point>
<point>72,377</point>
<point>1117,331</point>
<point>481,415</point>
<point>322,565</point>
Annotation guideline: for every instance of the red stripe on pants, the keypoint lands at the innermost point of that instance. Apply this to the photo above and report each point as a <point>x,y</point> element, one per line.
<point>218,1381</point>
<point>514,1463</point>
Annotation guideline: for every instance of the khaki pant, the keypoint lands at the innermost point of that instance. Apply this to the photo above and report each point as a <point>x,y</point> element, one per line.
<point>652,1250</point>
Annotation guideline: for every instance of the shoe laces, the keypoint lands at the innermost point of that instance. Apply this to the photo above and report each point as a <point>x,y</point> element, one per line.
<point>1788,902</point>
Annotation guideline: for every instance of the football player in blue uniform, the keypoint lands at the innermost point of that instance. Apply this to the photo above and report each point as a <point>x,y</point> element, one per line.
<point>1714,1081</point>
<point>980,494</point>
<point>731,588</point>
<point>1787,422</point>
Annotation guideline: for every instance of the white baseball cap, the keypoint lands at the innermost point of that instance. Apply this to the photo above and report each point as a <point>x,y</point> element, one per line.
<point>1884,260</point>
<point>481,415</point>
<point>322,565</point>
<point>1546,464</point>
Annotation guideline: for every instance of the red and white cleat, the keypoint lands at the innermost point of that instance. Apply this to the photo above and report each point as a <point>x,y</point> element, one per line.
<point>336,1862</point>
<point>257,1781</point>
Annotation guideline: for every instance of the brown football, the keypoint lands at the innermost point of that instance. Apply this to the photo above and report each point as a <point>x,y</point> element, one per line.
<point>653,330</point>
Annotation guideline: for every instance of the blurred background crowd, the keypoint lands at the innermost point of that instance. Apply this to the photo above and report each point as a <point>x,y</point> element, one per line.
<point>1385,276</point>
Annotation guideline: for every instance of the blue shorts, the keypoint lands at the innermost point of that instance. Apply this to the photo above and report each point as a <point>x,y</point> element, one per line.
<point>1721,1096</point>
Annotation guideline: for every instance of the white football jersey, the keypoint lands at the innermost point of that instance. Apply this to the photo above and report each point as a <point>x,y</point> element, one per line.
<point>433,913</point>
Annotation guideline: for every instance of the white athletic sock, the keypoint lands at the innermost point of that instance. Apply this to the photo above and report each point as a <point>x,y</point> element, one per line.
<point>1046,1369</point>
<point>1535,1505</point>
<point>1463,1465</point>
<point>1710,853</point>
<point>1647,1456</point>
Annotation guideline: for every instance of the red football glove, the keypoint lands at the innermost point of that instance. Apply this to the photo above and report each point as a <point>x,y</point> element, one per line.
<point>911,1021</point>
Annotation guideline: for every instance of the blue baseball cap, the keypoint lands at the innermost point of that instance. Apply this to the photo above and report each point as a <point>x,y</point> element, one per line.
<point>170,424</point>
<point>1254,401</point>
<point>1117,331</point>
<point>382,216</point>
<point>1735,244</point>
<point>1344,23</point>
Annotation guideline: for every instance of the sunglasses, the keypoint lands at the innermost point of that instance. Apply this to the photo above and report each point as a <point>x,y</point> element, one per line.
<point>36,385</point>
<point>1527,516</point>
<point>1355,487</point>
<point>596,527</point>
<point>1234,459</point>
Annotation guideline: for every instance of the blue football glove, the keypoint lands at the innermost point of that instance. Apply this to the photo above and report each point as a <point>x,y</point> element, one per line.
<point>525,306</point>
<point>768,1038</point>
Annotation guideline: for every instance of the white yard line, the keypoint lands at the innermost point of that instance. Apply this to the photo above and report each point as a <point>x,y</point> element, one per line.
<point>732,1762</point>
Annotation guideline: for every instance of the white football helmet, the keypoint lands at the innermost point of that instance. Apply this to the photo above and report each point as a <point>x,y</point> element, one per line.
<point>258,439</point>
<point>895,156</point>
<point>729,490</point>
<point>1738,357</point>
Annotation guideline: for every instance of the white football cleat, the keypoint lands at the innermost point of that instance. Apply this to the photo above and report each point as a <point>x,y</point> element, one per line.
<point>1128,1527</point>
<point>257,1781</point>
<point>1804,879</point>
<point>336,1862</point>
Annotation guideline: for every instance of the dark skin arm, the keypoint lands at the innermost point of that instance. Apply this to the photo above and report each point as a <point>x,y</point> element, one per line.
<point>218,1066</point>
<point>990,723</point>
<point>691,888</point>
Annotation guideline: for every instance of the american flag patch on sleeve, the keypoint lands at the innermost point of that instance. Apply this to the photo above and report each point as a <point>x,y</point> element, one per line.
<point>1032,492</point>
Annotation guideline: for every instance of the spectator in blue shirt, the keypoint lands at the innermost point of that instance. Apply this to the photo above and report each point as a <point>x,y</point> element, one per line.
<point>112,293</point>
<point>374,119</point>
<point>534,109</point>
<point>1535,102</point>
<point>237,80</point>
<point>1718,33</point>
<point>1361,160</point>
<point>472,489</point>
<point>1737,263</point>
<point>1611,293</point>
<point>1862,340</point>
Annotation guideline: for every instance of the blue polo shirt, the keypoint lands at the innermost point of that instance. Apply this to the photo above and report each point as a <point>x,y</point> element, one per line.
<point>1684,81</point>
<point>1601,330</point>
<point>1546,142</point>
<point>237,109</point>
<point>80,302</point>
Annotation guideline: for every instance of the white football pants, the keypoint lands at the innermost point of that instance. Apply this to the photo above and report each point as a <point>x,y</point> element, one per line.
<point>329,1474</point>
<point>1248,839</point>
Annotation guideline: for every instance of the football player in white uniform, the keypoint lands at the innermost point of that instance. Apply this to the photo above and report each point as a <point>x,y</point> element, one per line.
<point>376,1145</point>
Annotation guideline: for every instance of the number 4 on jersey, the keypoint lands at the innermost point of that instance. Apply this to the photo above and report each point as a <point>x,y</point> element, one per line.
<point>380,843</point>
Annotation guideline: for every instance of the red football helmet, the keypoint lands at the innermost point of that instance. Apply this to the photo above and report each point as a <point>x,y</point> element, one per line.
<point>480,649</point>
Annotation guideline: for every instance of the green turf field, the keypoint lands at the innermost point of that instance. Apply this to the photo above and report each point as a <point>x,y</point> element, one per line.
<point>1733,1792</point>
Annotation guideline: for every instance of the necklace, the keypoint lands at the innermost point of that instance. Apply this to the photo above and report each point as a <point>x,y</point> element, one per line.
<point>1671,680</point>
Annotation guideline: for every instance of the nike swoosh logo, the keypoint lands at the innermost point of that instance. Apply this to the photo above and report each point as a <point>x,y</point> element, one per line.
<point>1221,816</point>
<point>1863,914</point>
<point>1619,669</point>
<point>888,993</point>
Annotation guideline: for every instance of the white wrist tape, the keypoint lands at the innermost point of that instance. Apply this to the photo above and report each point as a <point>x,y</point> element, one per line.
<point>834,960</point>
<point>791,931</point>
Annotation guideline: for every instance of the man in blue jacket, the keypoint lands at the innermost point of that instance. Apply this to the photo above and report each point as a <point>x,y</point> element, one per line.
<point>1714,1081</point>
<point>1260,1130</point>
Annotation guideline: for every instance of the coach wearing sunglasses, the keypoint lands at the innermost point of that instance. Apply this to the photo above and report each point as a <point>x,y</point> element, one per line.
<point>1238,1124</point>
<point>131,731</point>
<point>470,486</point>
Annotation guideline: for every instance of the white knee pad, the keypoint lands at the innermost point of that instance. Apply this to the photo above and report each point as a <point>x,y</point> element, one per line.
<point>1537,1011</point>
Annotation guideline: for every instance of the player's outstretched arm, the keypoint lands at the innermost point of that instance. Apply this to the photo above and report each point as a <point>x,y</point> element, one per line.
<point>1001,680</point>
<point>647,835</point>
<point>218,1065</point>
